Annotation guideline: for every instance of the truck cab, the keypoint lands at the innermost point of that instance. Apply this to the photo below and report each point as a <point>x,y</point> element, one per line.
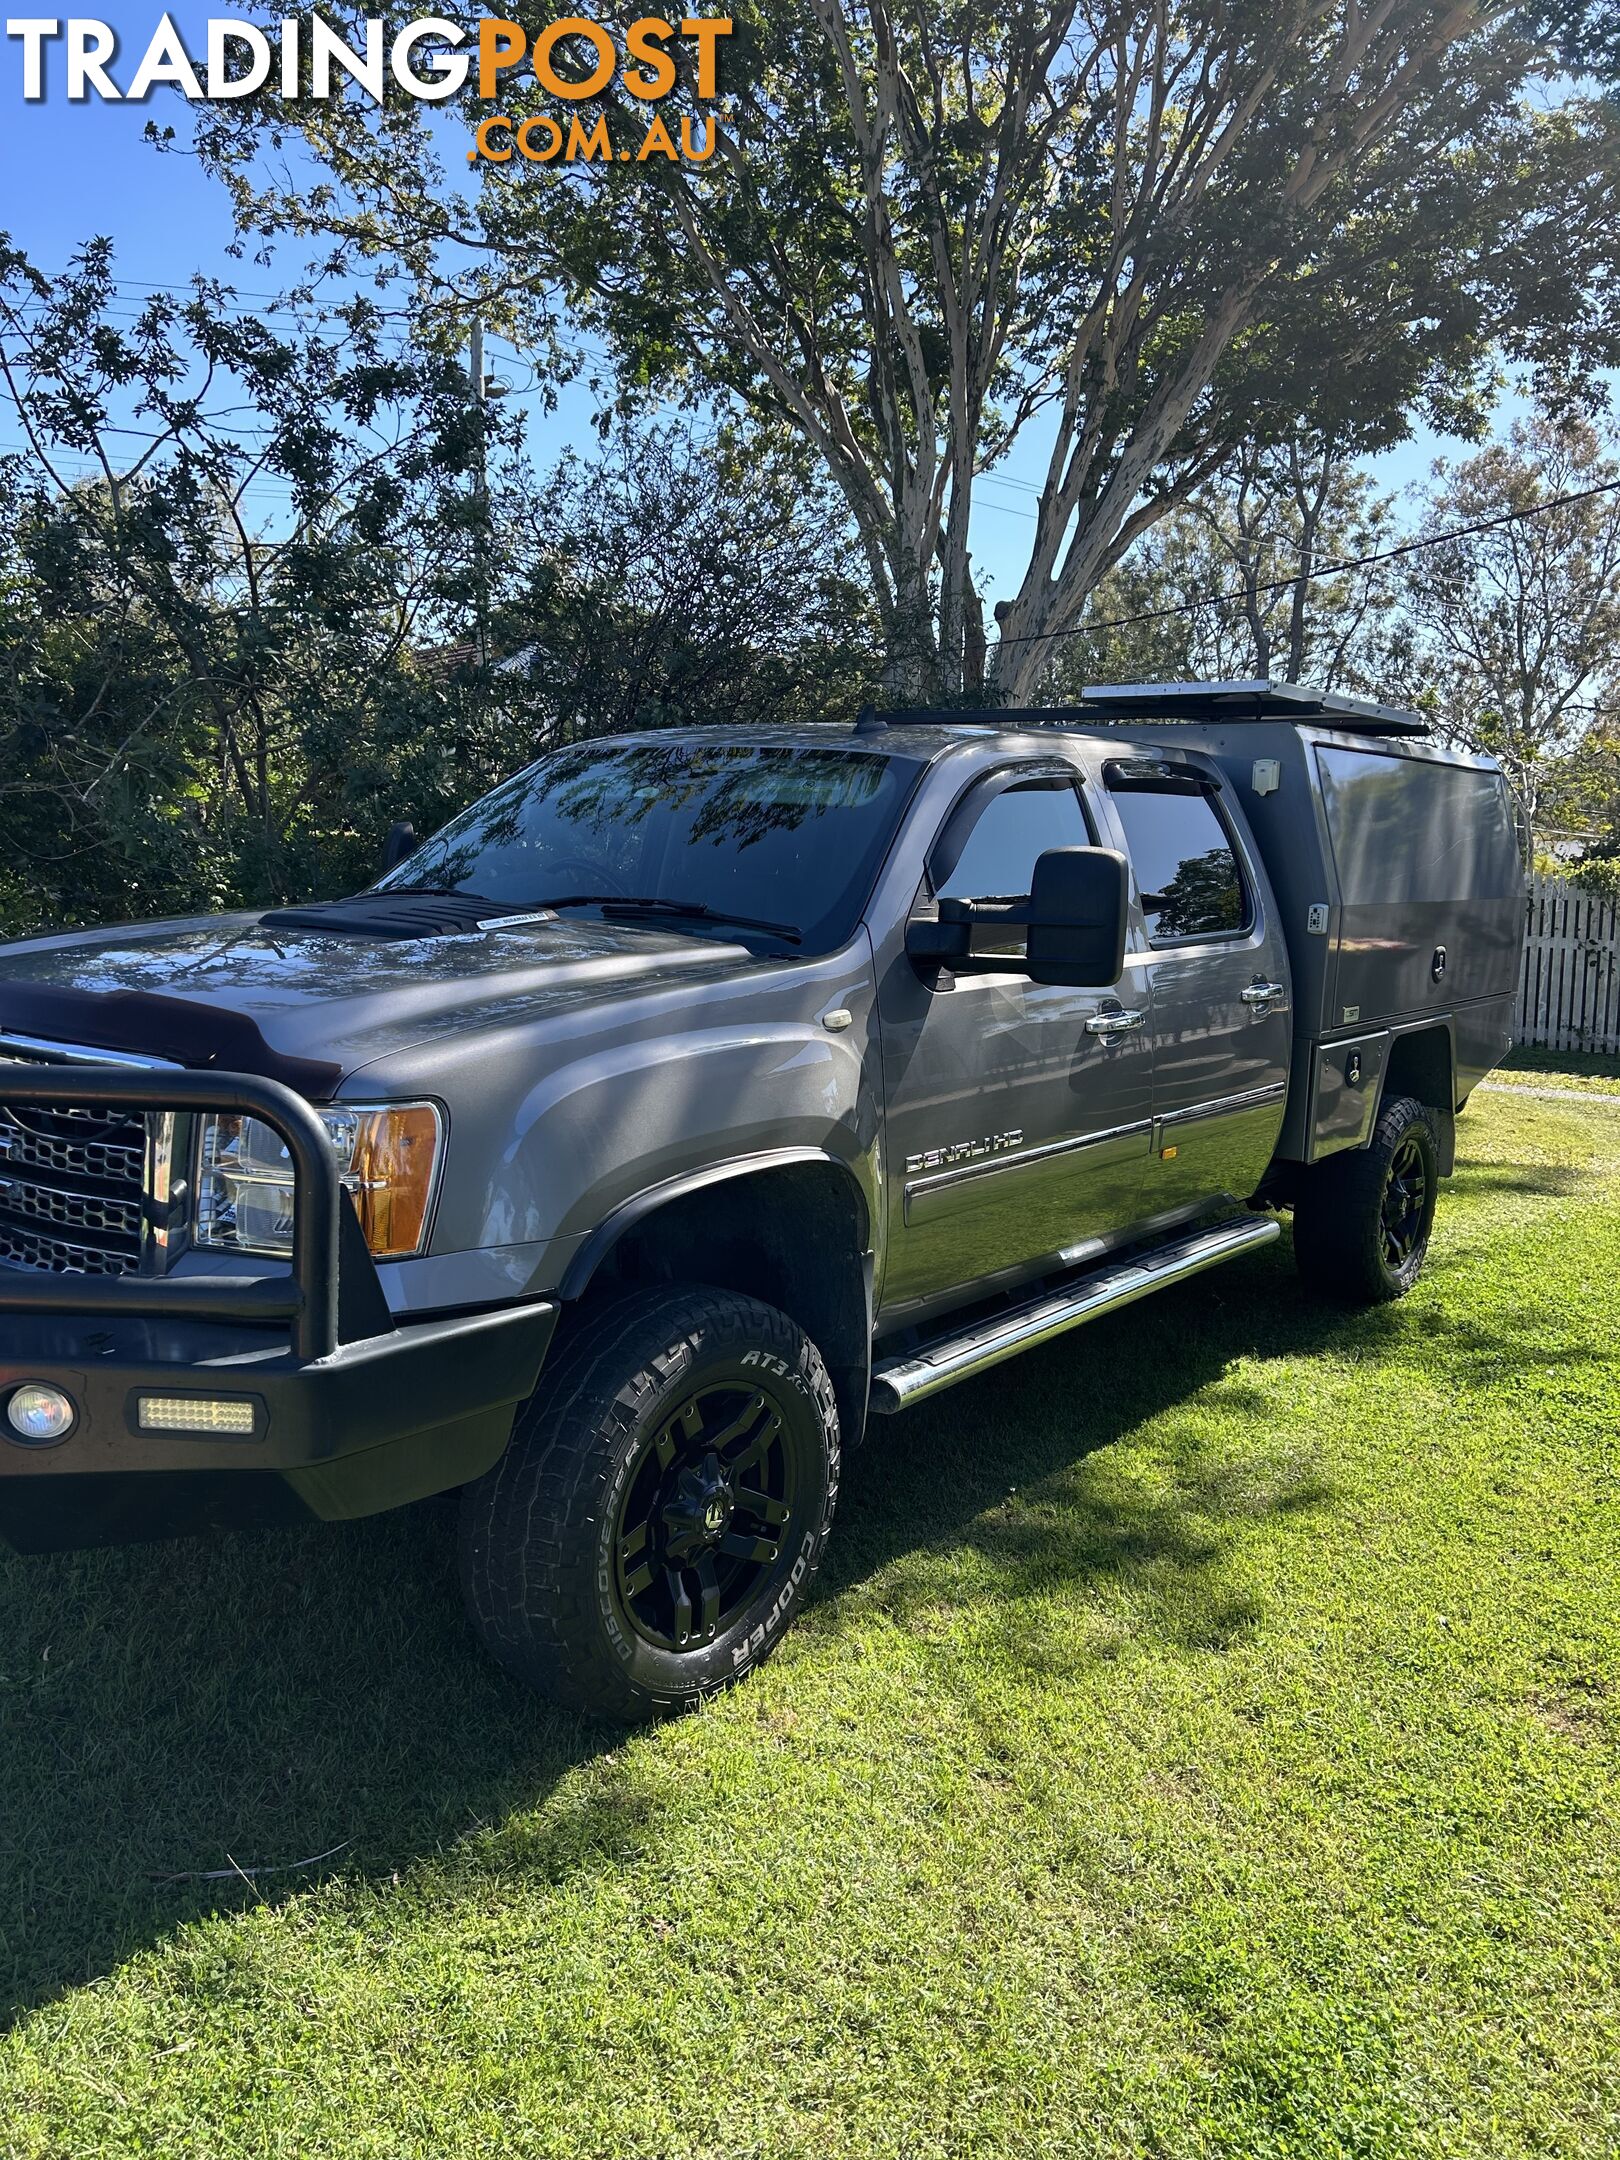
<point>1032,1125</point>
<point>689,1101</point>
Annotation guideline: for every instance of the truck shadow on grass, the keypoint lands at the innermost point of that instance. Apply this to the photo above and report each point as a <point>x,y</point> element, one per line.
<point>1009,1484</point>
<point>257,1700</point>
<point>1532,1180</point>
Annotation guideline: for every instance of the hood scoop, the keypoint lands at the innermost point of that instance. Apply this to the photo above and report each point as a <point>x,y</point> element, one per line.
<point>402,914</point>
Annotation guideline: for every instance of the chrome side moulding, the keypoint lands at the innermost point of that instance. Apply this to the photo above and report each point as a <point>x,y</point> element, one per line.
<point>1222,1104</point>
<point>1015,1158</point>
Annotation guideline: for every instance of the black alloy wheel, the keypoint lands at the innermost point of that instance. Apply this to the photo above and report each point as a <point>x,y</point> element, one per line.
<point>704,1516</point>
<point>1362,1218</point>
<point>662,1506</point>
<point>1404,1216</point>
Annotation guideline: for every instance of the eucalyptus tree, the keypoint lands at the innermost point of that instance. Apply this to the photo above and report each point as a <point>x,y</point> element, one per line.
<point>1515,602</point>
<point>1279,566</point>
<point>1129,237</point>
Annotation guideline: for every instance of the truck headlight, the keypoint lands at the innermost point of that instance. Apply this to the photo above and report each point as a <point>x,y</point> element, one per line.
<point>386,1158</point>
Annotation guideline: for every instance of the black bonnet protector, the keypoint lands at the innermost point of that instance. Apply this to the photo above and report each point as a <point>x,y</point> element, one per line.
<point>141,1021</point>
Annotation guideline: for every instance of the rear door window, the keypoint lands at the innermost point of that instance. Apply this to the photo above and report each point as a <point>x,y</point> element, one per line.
<point>1191,881</point>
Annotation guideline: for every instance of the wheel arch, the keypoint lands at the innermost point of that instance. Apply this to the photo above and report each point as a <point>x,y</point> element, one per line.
<point>1422,1062</point>
<point>791,1227</point>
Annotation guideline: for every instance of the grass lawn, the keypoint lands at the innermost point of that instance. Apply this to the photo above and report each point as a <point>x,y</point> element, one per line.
<point>1588,1069</point>
<point>1204,1742</point>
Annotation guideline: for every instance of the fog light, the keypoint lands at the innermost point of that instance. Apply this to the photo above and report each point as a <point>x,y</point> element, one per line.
<point>39,1414</point>
<point>195,1413</point>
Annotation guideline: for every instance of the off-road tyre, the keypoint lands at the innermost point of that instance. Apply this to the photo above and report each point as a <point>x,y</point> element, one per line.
<point>543,1538</point>
<point>1362,1219</point>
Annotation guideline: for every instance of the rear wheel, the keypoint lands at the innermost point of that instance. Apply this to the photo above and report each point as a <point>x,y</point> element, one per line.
<point>662,1506</point>
<point>1362,1219</point>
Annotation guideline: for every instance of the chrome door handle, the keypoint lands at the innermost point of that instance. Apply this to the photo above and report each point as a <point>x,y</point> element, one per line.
<point>1263,993</point>
<point>1114,1023</point>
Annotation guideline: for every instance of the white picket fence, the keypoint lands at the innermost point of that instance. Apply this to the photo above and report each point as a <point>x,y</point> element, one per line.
<point>1569,987</point>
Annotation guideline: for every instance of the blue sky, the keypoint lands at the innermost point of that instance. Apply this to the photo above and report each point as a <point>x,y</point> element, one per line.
<point>70,171</point>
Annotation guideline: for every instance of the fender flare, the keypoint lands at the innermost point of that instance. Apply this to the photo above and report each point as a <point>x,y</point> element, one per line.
<point>619,1220</point>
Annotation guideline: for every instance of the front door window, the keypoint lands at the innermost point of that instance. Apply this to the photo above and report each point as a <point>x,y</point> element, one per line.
<point>992,855</point>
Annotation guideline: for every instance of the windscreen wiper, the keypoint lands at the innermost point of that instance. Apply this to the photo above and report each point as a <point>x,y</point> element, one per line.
<point>692,910</point>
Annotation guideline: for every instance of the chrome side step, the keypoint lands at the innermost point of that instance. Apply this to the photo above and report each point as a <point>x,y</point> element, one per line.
<point>898,1382</point>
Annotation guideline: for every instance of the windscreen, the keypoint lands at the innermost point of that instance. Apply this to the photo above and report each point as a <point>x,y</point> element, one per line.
<point>786,835</point>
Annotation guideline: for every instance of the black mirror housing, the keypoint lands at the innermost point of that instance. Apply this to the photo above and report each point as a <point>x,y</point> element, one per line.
<point>942,944</point>
<point>1073,922</point>
<point>401,842</point>
<point>936,945</point>
<point>1078,905</point>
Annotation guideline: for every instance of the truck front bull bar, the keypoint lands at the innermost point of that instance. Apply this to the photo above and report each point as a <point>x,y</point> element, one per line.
<point>307,1298</point>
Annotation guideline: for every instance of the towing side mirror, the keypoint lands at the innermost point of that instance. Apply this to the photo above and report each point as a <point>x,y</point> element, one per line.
<point>1073,924</point>
<point>401,842</point>
<point>1078,901</point>
<point>943,944</point>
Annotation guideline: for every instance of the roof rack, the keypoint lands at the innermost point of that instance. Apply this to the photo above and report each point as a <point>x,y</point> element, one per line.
<point>1282,701</point>
<point>1257,700</point>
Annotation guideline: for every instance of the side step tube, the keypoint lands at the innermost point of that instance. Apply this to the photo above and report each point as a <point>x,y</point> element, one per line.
<point>898,1382</point>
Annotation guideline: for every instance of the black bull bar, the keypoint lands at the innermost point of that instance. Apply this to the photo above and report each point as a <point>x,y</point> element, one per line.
<point>307,1299</point>
<point>355,1409</point>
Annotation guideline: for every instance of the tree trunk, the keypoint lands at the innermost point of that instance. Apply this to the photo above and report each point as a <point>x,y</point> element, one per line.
<point>1311,508</point>
<point>974,647</point>
<point>911,657</point>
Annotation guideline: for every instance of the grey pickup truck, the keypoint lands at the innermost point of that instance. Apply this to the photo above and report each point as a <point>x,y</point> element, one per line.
<point>688,1100</point>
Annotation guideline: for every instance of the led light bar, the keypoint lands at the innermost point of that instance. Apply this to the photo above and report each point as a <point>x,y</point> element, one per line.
<point>196,1413</point>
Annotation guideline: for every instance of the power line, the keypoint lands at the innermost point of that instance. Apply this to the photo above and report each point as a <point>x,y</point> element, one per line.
<point>1010,480</point>
<point>1330,569</point>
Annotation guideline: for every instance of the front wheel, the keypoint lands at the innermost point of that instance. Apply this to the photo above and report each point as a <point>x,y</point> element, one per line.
<point>1362,1219</point>
<point>661,1508</point>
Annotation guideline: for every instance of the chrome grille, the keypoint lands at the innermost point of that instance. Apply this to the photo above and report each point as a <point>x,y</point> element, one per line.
<point>71,1179</point>
<point>116,1160</point>
<point>21,1246</point>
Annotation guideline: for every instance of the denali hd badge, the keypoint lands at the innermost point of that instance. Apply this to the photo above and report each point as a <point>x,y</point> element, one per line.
<point>960,1151</point>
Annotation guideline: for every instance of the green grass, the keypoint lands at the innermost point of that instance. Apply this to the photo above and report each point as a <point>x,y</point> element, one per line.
<point>1588,1069</point>
<point>1203,1742</point>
